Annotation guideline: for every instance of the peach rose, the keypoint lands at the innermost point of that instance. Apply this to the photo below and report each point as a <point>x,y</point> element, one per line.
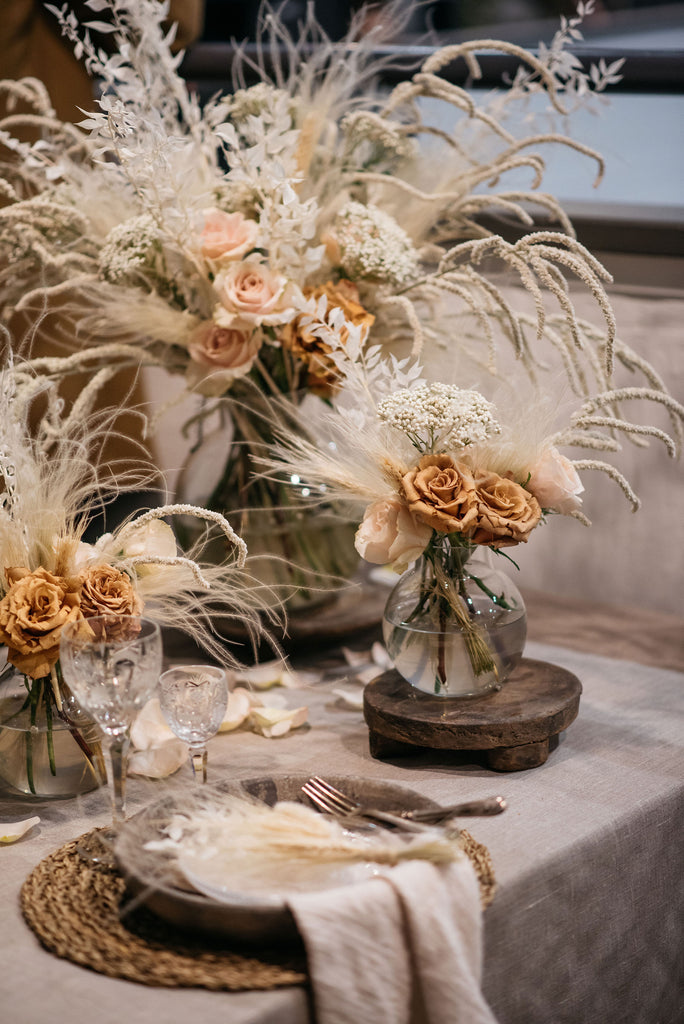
<point>506,512</point>
<point>32,614</point>
<point>249,291</point>
<point>220,355</point>
<point>555,483</point>
<point>227,236</point>
<point>108,591</point>
<point>390,535</point>
<point>441,494</point>
<point>312,351</point>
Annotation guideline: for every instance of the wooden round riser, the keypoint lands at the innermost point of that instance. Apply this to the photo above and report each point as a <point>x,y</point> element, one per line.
<point>512,729</point>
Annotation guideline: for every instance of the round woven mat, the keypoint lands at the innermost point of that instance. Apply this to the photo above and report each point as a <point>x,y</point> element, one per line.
<point>73,907</point>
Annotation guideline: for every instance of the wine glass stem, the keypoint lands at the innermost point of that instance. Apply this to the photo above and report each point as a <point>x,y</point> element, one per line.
<point>198,760</point>
<point>118,759</point>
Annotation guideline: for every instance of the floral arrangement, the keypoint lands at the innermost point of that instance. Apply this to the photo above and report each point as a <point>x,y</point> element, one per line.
<point>437,472</point>
<point>50,487</point>
<point>199,238</point>
<point>240,243</point>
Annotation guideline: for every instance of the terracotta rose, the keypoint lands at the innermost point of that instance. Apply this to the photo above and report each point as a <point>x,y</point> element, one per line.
<point>32,614</point>
<point>313,351</point>
<point>441,494</point>
<point>506,512</point>
<point>106,590</point>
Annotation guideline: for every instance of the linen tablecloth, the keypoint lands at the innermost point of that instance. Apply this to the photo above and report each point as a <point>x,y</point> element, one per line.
<point>586,925</point>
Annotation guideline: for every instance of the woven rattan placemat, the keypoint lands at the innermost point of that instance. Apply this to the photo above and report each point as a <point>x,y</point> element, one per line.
<point>73,907</point>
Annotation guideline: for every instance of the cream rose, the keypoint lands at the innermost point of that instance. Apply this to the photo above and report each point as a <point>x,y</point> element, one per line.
<point>441,494</point>
<point>220,355</point>
<point>107,591</point>
<point>390,535</point>
<point>33,612</point>
<point>506,512</point>
<point>227,236</point>
<point>555,483</point>
<point>249,291</point>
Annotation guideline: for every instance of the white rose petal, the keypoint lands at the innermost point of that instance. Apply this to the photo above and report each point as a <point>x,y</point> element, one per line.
<point>273,673</point>
<point>10,831</point>
<point>150,727</point>
<point>350,698</point>
<point>159,761</point>
<point>240,703</point>
<point>380,656</point>
<point>273,722</point>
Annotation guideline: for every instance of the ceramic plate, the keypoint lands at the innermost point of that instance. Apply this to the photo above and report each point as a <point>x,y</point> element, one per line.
<point>243,909</point>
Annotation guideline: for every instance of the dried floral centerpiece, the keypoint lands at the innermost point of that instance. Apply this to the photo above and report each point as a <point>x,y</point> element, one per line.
<point>193,237</point>
<point>49,490</point>
<point>443,476</point>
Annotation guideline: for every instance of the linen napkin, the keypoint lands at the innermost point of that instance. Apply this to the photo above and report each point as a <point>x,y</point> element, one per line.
<point>404,947</point>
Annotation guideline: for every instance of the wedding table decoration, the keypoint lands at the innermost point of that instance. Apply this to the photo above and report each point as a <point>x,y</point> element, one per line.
<point>160,231</point>
<point>444,475</point>
<point>50,487</point>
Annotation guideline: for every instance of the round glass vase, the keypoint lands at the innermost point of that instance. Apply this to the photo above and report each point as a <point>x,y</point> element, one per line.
<point>455,626</point>
<point>42,753</point>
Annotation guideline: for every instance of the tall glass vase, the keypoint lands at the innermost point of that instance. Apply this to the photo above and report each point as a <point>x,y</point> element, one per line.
<point>455,625</point>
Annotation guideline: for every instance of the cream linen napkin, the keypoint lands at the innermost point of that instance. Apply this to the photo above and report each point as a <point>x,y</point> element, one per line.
<point>401,948</point>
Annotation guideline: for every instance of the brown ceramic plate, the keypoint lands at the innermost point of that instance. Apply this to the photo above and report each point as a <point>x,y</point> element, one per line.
<point>249,918</point>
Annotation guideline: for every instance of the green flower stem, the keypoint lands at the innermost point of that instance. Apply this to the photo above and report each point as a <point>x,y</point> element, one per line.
<point>49,737</point>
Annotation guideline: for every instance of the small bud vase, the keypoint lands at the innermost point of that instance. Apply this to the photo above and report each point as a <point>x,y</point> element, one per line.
<point>454,625</point>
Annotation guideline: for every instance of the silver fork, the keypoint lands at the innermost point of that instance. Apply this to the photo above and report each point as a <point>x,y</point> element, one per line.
<point>333,801</point>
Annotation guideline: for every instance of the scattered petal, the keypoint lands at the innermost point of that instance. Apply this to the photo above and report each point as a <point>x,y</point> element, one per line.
<point>380,656</point>
<point>355,658</point>
<point>263,677</point>
<point>150,728</point>
<point>240,703</point>
<point>10,831</point>
<point>273,722</point>
<point>160,761</point>
<point>350,698</point>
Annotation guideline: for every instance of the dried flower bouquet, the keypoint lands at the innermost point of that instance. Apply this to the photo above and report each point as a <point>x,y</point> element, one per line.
<point>49,490</point>
<point>437,472</point>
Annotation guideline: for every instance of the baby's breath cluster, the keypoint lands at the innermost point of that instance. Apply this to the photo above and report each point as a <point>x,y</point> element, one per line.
<point>373,246</point>
<point>436,415</point>
<point>129,247</point>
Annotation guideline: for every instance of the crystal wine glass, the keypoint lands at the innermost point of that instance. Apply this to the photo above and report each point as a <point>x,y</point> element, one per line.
<point>111,664</point>
<point>193,700</point>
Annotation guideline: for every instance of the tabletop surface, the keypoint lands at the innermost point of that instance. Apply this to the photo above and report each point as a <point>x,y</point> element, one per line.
<point>587,917</point>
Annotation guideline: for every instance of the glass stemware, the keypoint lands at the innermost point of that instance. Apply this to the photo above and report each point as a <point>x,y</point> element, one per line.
<point>111,664</point>
<point>193,700</point>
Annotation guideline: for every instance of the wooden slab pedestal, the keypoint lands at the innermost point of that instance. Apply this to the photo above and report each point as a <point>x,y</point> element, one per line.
<point>512,729</point>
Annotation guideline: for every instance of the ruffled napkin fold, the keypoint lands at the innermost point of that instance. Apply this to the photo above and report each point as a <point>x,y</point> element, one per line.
<point>404,947</point>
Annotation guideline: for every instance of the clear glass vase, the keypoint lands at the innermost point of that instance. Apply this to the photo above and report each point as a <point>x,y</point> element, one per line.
<point>43,754</point>
<point>455,625</point>
<point>299,545</point>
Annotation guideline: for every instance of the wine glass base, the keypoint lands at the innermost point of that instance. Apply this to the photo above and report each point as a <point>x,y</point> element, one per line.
<point>97,847</point>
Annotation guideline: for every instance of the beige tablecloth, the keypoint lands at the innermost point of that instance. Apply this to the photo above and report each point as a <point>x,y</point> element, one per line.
<point>586,925</point>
